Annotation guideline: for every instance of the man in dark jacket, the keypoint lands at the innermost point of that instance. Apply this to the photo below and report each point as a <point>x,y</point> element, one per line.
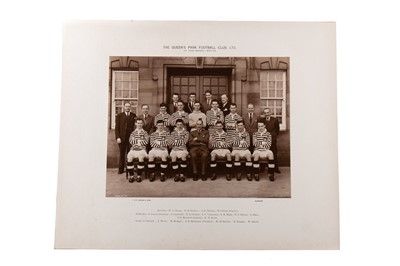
<point>225,105</point>
<point>272,126</point>
<point>198,142</point>
<point>124,125</point>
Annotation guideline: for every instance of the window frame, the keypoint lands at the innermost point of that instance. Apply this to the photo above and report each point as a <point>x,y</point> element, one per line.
<point>283,124</point>
<point>131,100</point>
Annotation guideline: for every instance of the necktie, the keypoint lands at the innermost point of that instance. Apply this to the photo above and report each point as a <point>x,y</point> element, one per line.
<point>251,118</point>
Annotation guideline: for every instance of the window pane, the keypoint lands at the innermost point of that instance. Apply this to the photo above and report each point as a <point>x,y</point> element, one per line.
<point>134,94</point>
<point>278,103</point>
<point>118,94</point>
<point>214,90</point>
<point>279,84</point>
<point>206,81</point>
<point>271,93</point>
<point>263,103</point>
<point>127,76</point>
<point>270,103</point>
<point>134,85</point>
<point>271,84</point>
<point>279,75</point>
<point>192,81</point>
<point>264,84</point>
<point>184,81</point>
<point>263,94</point>
<point>263,75</point>
<point>118,76</point>
<point>214,81</point>
<point>222,81</point>
<point>125,93</point>
<point>135,75</point>
<point>177,89</point>
<point>184,89</point>
<point>278,111</point>
<point>118,85</point>
<point>176,81</point>
<point>279,93</point>
<point>192,89</point>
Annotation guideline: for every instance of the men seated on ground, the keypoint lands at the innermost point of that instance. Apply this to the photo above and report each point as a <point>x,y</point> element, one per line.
<point>240,149</point>
<point>220,144</point>
<point>195,116</point>
<point>159,144</point>
<point>138,139</point>
<point>164,116</point>
<point>180,114</point>
<point>178,140</point>
<point>231,119</point>
<point>262,143</point>
<point>198,142</point>
<point>213,116</point>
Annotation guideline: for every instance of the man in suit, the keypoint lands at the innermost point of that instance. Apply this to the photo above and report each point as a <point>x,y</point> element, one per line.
<point>173,105</point>
<point>206,105</point>
<point>198,142</point>
<point>250,122</point>
<point>148,120</point>
<point>124,125</point>
<point>272,126</point>
<point>225,105</point>
<point>189,106</point>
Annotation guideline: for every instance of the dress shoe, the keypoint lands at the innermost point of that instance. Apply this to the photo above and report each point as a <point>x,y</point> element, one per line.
<point>121,172</point>
<point>214,176</point>
<point>176,178</point>
<point>271,177</point>
<point>249,177</point>
<point>162,178</point>
<point>277,170</point>
<point>139,179</point>
<point>228,177</point>
<point>131,179</point>
<point>239,177</point>
<point>195,177</point>
<point>152,177</point>
<point>203,177</point>
<point>183,178</point>
<point>257,177</point>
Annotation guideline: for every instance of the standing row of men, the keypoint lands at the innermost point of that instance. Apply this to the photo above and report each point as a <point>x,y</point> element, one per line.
<point>206,133</point>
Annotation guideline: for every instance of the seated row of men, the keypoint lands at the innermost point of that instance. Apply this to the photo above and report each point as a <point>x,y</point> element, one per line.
<point>232,145</point>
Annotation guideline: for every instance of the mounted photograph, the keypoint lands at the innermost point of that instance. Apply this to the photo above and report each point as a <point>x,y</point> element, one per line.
<point>198,127</point>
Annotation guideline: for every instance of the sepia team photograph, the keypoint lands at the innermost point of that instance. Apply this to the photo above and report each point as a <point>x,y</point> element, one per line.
<point>199,127</point>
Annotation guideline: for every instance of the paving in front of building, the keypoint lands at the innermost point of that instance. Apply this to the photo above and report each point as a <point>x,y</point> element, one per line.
<point>118,186</point>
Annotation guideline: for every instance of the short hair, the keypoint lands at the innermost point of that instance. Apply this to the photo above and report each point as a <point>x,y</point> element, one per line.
<point>260,121</point>
<point>233,104</point>
<point>145,104</point>
<point>178,120</point>
<point>215,101</point>
<point>163,105</point>
<point>159,121</point>
<point>239,122</point>
<point>219,122</point>
<point>179,101</point>
<point>267,108</point>
<point>175,93</point>
<point>197,102</point>
<point>207,91</point>
<point>139,119</point>
<point>250,104</point>
<point>192,93</point>
<point>224,94</point>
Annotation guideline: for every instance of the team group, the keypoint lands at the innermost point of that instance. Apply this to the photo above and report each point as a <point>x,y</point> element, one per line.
<point>212,131</point>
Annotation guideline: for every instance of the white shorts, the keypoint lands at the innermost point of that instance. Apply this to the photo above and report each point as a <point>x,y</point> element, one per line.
<point>156,153</point>
<point>136,154</point>
<point>220,152</point>
<point>264,154</point>
<point>242,153</point>
<point>179,153</point>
